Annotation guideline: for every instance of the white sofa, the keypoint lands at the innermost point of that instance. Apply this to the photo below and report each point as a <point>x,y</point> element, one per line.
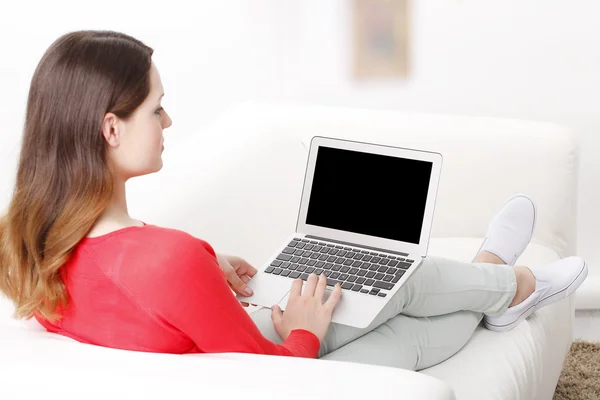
<point>238,185</point>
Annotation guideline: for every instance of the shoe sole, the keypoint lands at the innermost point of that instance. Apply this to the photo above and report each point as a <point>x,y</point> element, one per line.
<point>571,287</point>
<point>532,227</point>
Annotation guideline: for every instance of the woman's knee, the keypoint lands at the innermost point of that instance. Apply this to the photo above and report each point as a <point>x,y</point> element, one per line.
<point>443,336</point>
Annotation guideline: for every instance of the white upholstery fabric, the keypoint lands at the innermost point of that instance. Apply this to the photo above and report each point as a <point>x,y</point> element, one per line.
<point>36,364</point>
<point>588,295</point>
<point>238,186</point>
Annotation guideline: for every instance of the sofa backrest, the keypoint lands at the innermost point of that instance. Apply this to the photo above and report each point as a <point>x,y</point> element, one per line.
<point>238,184</point>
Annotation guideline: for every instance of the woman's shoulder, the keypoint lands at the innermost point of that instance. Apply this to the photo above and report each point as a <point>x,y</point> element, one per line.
<point>140,256</point>
<point>174,255</point>
<point>179,239</point>
<point>151,238</point>
<point>166,233</point>
<point>173,239</point>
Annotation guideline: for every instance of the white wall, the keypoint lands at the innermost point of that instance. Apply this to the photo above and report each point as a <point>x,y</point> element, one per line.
<point>211,55</point>
<point>534,59</point>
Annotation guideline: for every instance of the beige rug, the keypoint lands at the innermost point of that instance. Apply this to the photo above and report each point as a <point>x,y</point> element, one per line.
<point>580,377</point>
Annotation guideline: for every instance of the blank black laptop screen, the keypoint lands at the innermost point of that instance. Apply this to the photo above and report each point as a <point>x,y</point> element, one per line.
<point>370,194</point>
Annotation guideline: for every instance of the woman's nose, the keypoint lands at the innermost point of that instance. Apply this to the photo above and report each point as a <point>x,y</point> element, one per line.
<point>168,122</point>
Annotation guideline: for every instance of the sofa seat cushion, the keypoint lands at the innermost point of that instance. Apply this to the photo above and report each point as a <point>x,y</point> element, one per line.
<point>38,364</point>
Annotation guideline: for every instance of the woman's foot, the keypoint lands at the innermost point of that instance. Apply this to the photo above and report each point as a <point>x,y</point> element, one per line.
<point>553,282</point>
<point>488,258</point>
<point>507,237</point>
<point>524,276</point>
<point>509,232</point>
<point>525,285</point>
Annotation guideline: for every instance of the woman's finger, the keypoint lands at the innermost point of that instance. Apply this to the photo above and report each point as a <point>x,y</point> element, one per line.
<point>321,287</point>
<point>245,268</point>
<point>334,298</point>
<point>276,314</point>
<point>251,271</point>
<point>236,283</point>
<point>296,289</point>
<point>311,284</point>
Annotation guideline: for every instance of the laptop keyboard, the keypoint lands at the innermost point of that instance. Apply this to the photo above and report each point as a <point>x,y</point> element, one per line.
<point>354,269</point>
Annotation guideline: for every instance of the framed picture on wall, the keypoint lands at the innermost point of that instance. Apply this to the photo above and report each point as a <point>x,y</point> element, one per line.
<point>380,38</point>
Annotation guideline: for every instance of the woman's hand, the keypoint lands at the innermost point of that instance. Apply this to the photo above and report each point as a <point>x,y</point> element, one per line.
<point>306,310</point>
<point>238,272</point>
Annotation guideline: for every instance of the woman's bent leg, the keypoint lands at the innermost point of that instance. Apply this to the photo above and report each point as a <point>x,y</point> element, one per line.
<point>411,343</point>
<point>440,286</point>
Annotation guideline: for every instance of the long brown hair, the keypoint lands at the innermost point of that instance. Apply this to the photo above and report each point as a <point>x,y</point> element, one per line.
<point>64,180</point>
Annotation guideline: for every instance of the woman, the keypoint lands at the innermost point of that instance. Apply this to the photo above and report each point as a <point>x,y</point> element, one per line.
<point>72,257</point>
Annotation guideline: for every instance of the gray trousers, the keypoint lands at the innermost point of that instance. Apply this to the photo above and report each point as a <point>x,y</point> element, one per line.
<point>426,322</point>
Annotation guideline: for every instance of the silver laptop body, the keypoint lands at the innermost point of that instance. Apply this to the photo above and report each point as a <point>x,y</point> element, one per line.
<point>365,219</point>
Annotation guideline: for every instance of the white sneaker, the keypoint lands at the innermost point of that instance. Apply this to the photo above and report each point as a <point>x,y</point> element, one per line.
<point>511,229</point>
<point>553,282</point>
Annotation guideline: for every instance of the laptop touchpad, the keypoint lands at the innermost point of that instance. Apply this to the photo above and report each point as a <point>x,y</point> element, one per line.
<point>268,290</point>
<point>284,301</point>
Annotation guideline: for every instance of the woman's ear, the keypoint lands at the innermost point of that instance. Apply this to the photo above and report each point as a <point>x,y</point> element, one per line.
<point>111,129</point>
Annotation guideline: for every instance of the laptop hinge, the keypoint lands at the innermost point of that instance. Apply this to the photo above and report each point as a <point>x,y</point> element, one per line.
<point>356,245</point>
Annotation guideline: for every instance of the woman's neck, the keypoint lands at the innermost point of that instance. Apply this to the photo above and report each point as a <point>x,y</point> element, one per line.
<point>115,216</point>
<point>117,207</point>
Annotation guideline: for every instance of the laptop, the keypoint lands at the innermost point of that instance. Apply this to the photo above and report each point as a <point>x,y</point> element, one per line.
<point>364,221</point>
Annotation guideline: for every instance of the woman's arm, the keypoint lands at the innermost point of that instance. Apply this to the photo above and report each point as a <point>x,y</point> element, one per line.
<point>201,304</point>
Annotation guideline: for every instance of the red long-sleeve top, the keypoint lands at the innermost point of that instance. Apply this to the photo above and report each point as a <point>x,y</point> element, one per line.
<point>160,290</point>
